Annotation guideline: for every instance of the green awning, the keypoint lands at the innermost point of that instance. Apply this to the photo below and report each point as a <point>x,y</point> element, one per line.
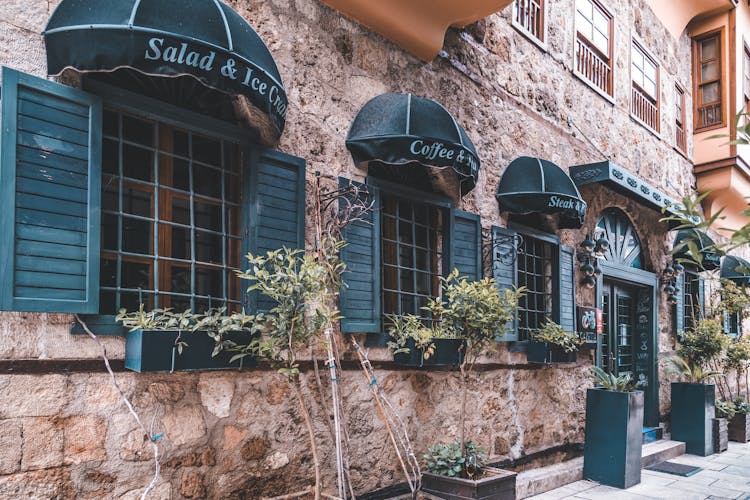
<point>204,39</point>
<point>736,269</point>
<point>699,241</point>
<point>533,185</point>
<point>402,129</point>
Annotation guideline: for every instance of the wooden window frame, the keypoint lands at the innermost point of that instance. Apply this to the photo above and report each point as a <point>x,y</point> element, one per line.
<point>746,75</point>
<point>680,122</point>
<point>719,35</point>
<point>540,41</point>
<point>635,87</point>
<point>606,59</point>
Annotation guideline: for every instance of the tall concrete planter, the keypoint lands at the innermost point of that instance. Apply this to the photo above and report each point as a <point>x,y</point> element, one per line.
<point>739,428</point>
<point>613,438</point>
<point>692,414</point>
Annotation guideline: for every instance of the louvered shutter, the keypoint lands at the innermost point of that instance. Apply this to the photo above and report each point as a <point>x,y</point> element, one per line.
<point>679,307</point>
<point>567,289</point>
<point>504,269</point>
<point>360,296</point>
<point>466,244</point>
<point>274,208</point>
<point>50,195</point>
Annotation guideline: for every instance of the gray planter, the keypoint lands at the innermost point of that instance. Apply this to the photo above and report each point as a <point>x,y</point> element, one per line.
<point>692,414</point>
<point>721,434</point>
<point>613,438</point>
<point>739,428</point>
<point>498,484</point>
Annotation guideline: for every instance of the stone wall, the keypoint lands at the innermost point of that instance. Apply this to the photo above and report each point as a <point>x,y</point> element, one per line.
<point>240,434</point>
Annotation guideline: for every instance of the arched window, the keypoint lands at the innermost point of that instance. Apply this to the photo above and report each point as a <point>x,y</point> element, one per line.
<point>624,246</point>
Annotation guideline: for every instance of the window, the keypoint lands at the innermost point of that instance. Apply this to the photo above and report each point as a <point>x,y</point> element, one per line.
<point>528,17</point>
<point>170,217</point>
<point>692,305</point>
<point>644,101</point>
<point>708,82</point>
<point>594,45</point>
<point>411,258</point>
<point>746,77</point>
<point>734,324</point>
<point>680,140</point>
<point>535,263</point>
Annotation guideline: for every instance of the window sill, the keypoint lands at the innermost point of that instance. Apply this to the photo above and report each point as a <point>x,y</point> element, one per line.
<point>610,99</point>
<point>100,324</point>
<point>682,153</point>
<point>708,128</point>
<point>643,124</point>
<point>542,45</point>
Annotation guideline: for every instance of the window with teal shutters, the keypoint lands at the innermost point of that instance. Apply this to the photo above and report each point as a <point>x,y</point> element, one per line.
<point>505,269</point>
<point>466,244</point>
<point>360,296</point>
<point>274,207</point>
<point>50,178</point>
<point>567,289</point>
<point>679,307</point>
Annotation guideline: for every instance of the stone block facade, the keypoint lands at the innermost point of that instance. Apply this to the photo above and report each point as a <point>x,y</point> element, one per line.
<point>239,434</point>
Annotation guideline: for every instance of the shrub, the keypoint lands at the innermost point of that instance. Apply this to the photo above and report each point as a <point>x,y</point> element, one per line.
<point>447,460</point>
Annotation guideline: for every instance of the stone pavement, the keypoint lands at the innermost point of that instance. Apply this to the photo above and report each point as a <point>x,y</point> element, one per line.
<point>724,475</point>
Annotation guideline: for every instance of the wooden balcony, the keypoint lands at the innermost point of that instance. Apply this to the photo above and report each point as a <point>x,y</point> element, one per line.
<point>591,66</point>
<point>643,107</point>
<point>680,139</point>
<point>529,16</point>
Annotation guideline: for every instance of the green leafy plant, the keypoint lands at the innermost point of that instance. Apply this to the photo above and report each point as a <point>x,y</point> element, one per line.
<point>688,371</point>
<point>704,343</point>
<point>453,460</point>
<point>552,333</point>
<point>611,382</point>
<point>410,327</point>
<point>156,319</point>
<point>742,406</point>
<point>734,299</point>
<point>725,409</point>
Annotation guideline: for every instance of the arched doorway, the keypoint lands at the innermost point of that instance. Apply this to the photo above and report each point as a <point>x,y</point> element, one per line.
<point>626,293</point>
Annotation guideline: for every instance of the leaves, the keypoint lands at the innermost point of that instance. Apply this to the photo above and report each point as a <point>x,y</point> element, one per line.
<point>553,333</point>
<point>446,459</point>
<point>611,382</point>
<point>689,371</point>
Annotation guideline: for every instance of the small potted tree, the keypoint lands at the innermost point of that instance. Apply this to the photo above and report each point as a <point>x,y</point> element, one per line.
<point>693,406</point>
<point>613,436</point>
<point>552,344</point>
<point>739,425</point>
<point>478,314</point>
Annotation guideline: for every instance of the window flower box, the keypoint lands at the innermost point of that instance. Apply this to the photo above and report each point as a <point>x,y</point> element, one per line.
<point>497,484</point>
<point>547,353</point>
<point>447,352</point>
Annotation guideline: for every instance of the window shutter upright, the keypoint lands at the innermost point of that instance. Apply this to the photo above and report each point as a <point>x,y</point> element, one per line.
<point>701,310</point>
<point>504,269</point>
<point>275,217</point>
<point>50,196</point>
<point>360,297</point>
<point>567,289</point>
<point>466,244</point>
<point>679,307</point>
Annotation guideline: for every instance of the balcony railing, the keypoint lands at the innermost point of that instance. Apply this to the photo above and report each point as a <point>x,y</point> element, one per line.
<point>642,106</point>
<point>709,115</point>
<point>680,139</point>
<point>529,17</point>
<point>592,67</point>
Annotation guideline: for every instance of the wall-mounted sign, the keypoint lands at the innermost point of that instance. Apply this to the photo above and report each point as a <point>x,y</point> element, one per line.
<point>589,324</point>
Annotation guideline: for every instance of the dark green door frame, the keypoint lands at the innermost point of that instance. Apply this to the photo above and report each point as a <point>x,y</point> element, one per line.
<point>649,283</point>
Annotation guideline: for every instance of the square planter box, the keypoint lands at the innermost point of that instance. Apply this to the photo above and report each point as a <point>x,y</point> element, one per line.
<point>739,428</point>
<point>613,437</point>
<point>543,352</point>
<point>155,351</point>
<point>498,484</point>
<point>721,435</point>
<point>448,352</point>
<point>692,414</point>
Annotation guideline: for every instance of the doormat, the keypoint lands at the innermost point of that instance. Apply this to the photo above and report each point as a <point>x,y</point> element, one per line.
<point>675,468</point>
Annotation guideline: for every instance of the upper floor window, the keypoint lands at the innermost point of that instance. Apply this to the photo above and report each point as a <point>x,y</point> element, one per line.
<point>746,77</point>
<point>528,17</point>
<point>708,81</point>
<point>679,120</point>
<point>593,56</point>
<point>644,101</point>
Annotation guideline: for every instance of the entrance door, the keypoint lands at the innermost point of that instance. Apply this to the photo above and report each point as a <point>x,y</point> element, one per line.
<point>618,308</point>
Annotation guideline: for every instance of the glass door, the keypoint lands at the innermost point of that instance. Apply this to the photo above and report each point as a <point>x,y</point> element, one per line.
<point>618,318</point>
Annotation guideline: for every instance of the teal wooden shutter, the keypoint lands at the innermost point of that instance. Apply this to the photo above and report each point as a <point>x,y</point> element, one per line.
<point>567,289</point>
<point>274,208</point>
<point>466,244</point>
<point>360,296</point>
<point>50,196</point>
<point>727,323</point>
<point>701,309</point>
<point>505,269</point>
<point>679,307</point>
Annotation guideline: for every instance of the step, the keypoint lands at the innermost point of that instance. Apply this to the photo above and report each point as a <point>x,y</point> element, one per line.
<point>536,481</point>
<point>660,451</point>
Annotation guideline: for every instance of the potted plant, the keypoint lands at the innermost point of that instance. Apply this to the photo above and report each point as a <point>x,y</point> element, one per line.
<point>725,411</point>
<point>552,344</point>
<point>478,314</point>
<point>163,340</point>
<point>693,407</point>
<point>415,345</point>
<point>739,424</point>
<point>614,425</point>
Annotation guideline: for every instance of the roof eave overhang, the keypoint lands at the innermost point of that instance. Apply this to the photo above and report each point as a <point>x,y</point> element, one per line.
<point>676,15</point>
<point>418,26</point>
<point>727,184</point>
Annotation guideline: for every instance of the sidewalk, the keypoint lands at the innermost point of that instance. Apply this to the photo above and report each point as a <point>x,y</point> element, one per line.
<point>724,475</point>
